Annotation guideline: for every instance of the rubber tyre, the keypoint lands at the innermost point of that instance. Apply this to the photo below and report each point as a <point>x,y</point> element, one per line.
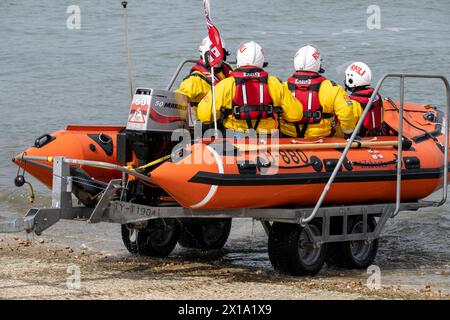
<point>284,250</point>
<point>153,241</point>
<point>340,254</point>
<point>208,235</point>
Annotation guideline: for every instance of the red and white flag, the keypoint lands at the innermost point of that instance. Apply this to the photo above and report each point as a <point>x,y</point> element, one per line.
<point>216,51</point>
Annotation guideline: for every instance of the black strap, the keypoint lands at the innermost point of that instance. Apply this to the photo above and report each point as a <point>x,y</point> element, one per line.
<point>306,77</point>
<point>248,120</point>
<point>297,129</point>
<point>311,87</point>
<point>317,115</point>
<point>260,113</point>
<point>364,95</point>
<point>249,108</point>
<point>300,133</point>
<point>249,70</point>
<point>292,86</point>
<point>271,110</point>
<point>314,87</point>
<point>226,112</point>
<point>201,76</point>
<point>278,110</point>
<point>304,128</point>
<point>240,80</point>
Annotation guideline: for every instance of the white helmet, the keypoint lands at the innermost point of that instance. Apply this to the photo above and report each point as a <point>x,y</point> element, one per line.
<point>358,74</point>
<point>307,58</point>
<point>250,54</point>
<point>205,46</point>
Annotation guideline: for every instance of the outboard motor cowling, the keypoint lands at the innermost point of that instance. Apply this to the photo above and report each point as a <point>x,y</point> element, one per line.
<point>157,111</point>
<point>154,115</point>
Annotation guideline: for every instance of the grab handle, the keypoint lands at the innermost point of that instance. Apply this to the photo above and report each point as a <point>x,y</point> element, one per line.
<point>43,140</point>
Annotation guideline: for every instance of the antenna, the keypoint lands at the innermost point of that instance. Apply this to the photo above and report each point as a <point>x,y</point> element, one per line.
<point>130,71</point>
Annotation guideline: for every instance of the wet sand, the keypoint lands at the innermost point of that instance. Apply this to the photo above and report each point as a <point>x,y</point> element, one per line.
<point>38,269</point>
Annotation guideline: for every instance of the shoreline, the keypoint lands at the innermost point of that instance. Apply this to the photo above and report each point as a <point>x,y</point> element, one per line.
<point>39,270</point>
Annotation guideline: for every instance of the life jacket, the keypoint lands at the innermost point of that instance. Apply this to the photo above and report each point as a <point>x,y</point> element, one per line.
<point>305,87</point>
<point>205,73</point>
<point>372,124</point>
<point>251,100</point>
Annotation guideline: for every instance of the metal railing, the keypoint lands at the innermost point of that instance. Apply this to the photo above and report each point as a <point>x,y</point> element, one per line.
<point>89,163</point>
<point>446,119</point>
<point>180,67</point>
<point>177,72</point>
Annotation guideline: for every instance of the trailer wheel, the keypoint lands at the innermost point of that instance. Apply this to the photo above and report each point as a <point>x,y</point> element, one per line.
<point>206,235</point>
<point>158,239</point>
<point>291,250</point>
<point>354,254</point>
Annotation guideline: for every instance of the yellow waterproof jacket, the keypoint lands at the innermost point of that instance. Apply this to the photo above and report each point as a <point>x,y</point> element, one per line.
<point>357,112</point>
<point>333,99</point>
<point>198,83</point>
<point>225,91</point>
<point>196,88</point>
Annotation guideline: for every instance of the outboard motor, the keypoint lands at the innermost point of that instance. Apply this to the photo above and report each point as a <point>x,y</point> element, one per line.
<point>154,115</point>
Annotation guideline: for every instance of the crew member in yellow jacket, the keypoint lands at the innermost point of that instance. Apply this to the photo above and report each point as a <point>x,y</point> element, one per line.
<point>321,98</point>
<point>250,98</point>
<point>198,83</point>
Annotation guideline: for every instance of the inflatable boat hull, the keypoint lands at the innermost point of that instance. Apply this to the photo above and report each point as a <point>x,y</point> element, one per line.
<point>297,179</point>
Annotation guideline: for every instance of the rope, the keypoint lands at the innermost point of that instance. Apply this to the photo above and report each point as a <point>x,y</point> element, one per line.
<point>151,163</point>
<point>305,142</point>
<point>364,164</point>
<point>392,103</point>
<point>31,197</point>
<point>86,182</point>
<point>81,181</point>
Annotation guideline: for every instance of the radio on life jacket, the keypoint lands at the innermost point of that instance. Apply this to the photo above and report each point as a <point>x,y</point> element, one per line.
<point>252,100</point>
<point>372,124</point>
<point>305,87</point>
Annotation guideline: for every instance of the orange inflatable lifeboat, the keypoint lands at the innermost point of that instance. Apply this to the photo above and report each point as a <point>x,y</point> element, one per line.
<point>230,174</point>
<point>218,174</point>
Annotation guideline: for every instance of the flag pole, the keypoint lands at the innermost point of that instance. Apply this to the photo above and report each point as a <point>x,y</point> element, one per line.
<point>216,55</point>
<point>213,93</point>
<point>130,68</point>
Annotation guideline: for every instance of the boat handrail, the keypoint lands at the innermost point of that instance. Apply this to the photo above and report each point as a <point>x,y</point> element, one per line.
<point>180,67</point>
<point>177,72</point>
<point>402,77</point>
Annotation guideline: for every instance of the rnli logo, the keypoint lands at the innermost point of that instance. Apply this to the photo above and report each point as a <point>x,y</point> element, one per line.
<point>358,70</point>
<point>316,55</point>
<point>251,74</point>
<point>300,81</point>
